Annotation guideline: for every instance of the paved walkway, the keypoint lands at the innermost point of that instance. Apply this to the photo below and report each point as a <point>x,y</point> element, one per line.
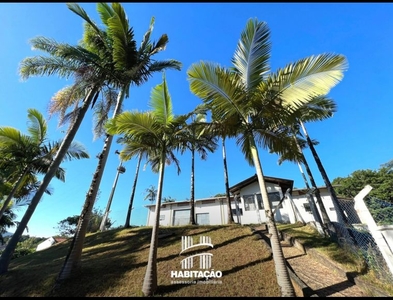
<point>322,280</point>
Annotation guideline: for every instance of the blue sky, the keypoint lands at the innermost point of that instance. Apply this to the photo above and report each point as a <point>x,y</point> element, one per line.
<point>358,136</point>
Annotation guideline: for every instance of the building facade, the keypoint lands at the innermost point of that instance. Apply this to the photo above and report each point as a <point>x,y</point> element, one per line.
<point>246,205</point>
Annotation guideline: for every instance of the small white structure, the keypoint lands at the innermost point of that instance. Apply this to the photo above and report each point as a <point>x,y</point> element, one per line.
<point>46,244</point>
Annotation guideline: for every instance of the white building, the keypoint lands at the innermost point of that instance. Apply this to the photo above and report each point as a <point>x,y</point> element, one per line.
<point>245,198</point>
<point>46,244</point>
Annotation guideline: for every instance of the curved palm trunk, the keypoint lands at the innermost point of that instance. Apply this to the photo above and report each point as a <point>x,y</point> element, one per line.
<point>73,259</point>
<point>9,250</point>
<point>282,273</point>
<point>150,282</point>
<point>324,220</point>
<point>13,191</point>
<point>108,206</point>
<point>340,214</point>
<point>325,217</point>
<point>128,218</point>
<point>192,200</point>
<point>314,209</point>
<point>230,214</point>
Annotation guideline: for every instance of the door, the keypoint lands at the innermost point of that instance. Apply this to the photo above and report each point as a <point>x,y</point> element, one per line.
<point>181,217</point>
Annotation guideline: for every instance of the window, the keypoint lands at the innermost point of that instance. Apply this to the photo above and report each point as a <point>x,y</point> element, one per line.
<point>274,197</point>
<point>234,211</point>
<point>307,207</point>
<point>249,203</point>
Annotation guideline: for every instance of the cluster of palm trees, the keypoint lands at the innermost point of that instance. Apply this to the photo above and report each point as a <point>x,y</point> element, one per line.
<point>247,102</point>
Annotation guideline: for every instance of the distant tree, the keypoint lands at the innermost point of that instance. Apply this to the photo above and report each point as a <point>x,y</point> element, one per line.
<point>151,193</point>
<point>6,221</point>
<point>67,227</point>
<point>220,195</point>
<point>168,199</point>
<point>381,180</point>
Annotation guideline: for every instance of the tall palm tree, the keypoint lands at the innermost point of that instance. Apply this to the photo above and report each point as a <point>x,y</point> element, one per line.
<point>201,142</point>
<point>39,157</point>
<point>33,152</point>
<point>254,102</point>
<point>297,156</point>
<point>317,109</point>
<point>159,133</point>
<point>91,71</point>
<point>133,66</point>
<point>215,129</point>
<point>342,219</point>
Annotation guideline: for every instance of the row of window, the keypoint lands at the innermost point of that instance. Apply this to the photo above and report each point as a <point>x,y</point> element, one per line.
<point>249,201</point>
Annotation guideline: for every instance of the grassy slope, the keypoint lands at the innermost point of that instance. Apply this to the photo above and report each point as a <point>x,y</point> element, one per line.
<point>114,264</point>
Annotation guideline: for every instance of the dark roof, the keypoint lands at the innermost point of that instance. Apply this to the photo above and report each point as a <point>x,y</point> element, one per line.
<point>283,183</point>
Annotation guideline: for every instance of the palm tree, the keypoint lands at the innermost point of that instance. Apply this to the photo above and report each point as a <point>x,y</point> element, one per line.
<point>33,152</point>
<point>297,155</point>
<point>201,142</point>
<point>151,193</point>
<point>342,219</point>
<point>254,102</point>
<point>91,72</point>
<point>132,65</point>
<point>158,133</point>
<point>317,109</point>
<point>36,156</point>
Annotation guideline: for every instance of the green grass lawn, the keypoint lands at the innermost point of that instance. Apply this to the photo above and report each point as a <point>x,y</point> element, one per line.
<point>114,264</point>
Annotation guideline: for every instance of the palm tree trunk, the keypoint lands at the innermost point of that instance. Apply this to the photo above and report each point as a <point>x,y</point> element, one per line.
<point>192,200</point>
<point>325,219</point>
<point>73,259</point>
<point>108,206</point>
<point>9,250</point>
<point>13,191</point>
<point>230,214</point>
<point>150,282</point>
<point>128,218</point>
<point>314,209</point>
<point>340,214</point>
<point>282,273</point>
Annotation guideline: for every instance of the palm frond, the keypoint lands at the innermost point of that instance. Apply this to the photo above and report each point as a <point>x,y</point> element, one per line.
<point>161,103</point>
<point>37,126</point>
<point>124,46</point>
<point>76,151</point>
<point>105,11</point>
<point>74,7</point>
<point>132,123</point>
<point>218,89</point>
<point>313,76</point>
<point>251,57</point>
<point>160,45</point>
<point>146,43</point>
